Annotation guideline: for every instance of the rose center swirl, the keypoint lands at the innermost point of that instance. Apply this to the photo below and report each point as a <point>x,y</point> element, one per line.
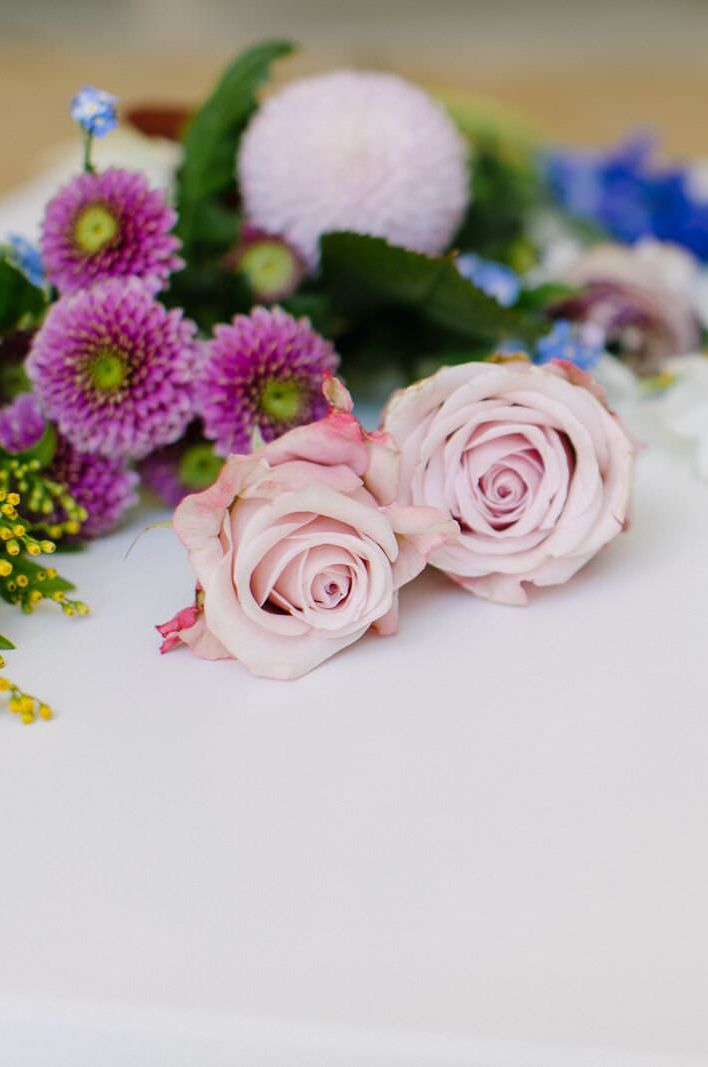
<point>331,587</point>
<point>498,483</point>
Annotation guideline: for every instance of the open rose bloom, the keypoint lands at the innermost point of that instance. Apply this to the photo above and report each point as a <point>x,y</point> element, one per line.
<point>529,461</point>
<point>300,548</point>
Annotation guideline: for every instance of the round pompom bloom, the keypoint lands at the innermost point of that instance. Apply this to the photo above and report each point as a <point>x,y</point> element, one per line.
<point>109,225</point>
<point>22,424</point>
<point>115,370</point>
<point>263,372</point>
<point>354,150</point>
<point>189,466</point>
<point>103,487</point>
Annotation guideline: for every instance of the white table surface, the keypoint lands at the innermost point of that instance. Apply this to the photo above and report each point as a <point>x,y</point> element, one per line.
<point>481,842</point>
<point>492,826</point>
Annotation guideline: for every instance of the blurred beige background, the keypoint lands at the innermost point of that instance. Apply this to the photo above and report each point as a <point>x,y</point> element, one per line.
<point>580,72</point>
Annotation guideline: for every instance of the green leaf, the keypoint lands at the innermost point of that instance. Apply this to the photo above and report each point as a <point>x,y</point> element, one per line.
<point>23,565</point>
<point>20,301</point>
<point>505,190</point>
<point>45,448</point>
<point>315,306</point>
<point>5,645</point>
<point>542,296</point>
<point>212,137</point>
<point>366,275</point>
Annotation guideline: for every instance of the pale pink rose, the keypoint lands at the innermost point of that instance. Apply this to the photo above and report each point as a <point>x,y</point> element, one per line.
<point>300,548</point>
<point>529,461</point>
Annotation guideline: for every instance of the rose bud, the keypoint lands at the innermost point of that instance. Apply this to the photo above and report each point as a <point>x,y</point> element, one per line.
<point>271,267</point>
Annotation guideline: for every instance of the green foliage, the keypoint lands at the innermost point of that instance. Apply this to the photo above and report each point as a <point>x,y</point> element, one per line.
<point>210,146</point>
<point>22,304</point>
<point>207,198</point>
<point>505,188</point>
<point>541,297</point>
<point>367,274</point>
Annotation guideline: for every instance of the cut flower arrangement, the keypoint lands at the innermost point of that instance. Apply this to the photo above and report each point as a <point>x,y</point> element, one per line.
<point>348,227</point>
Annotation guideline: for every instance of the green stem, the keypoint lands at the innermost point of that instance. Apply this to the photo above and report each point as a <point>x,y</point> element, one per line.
<point>88,141</point>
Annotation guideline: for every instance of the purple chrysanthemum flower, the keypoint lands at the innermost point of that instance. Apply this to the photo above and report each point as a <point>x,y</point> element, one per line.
<point>21,424</point>
<point>263,372</point>
<point>115,370</point>
<point>109,225</point>
<point>104,487</point>
<point>173,472</point>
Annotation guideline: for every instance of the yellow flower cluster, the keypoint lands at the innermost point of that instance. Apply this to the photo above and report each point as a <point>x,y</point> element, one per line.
<point>23,580</point>
<point>29,708</point>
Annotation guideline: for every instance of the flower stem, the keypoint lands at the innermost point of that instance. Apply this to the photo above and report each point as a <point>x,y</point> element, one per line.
<point>88,142</point>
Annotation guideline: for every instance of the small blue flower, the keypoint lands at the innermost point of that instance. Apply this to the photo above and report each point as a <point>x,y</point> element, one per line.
<point>494,279</point>
<point>26,257</point>
<point>581,344</point>
<point>510,347</point>
<point>95,111</point>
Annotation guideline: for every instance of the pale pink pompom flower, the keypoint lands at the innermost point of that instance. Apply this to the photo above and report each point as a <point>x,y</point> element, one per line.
<point>354,150</point>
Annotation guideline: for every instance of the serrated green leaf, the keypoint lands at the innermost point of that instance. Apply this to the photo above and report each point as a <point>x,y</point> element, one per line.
<point>5,645</point>
<point>20,301</point>
<point>367,274</point>
<point>211,139</point>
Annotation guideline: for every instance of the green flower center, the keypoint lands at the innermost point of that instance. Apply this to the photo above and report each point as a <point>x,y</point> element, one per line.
<point>108,369</point>
<point>95,227</point>
<point>199,467</point>
<point>281,399</point>
<point>269,267</point>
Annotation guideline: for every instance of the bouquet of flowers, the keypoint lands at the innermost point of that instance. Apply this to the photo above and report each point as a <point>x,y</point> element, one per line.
<point>351,224</point>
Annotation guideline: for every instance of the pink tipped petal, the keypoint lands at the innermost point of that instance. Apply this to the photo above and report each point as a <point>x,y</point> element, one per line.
<point>336,394</point>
